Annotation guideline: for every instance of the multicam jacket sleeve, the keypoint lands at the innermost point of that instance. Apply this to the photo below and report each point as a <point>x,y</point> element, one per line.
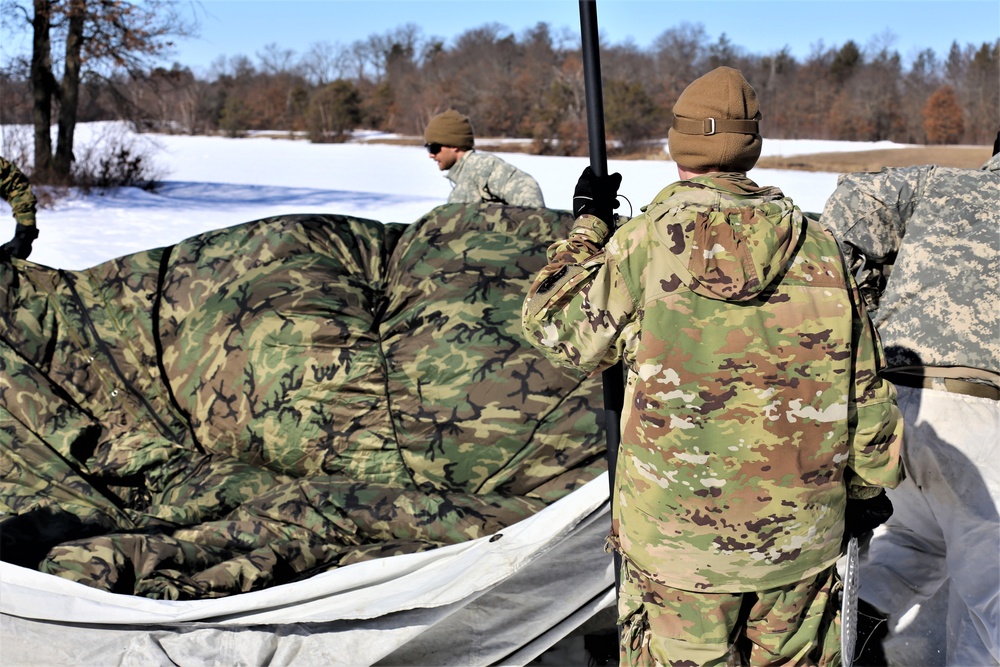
<point>876,425</point>
<point>16,190</point>
<point>579,273</point>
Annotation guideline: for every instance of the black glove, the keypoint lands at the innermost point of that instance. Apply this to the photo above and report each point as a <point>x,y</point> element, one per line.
<point>597,195</point>
<point>20,245</point>
<point>864,516</point>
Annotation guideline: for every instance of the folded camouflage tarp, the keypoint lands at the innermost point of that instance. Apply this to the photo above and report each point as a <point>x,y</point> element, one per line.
<point>261,403</point>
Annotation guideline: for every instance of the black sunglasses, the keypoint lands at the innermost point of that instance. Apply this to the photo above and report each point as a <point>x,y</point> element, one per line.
<point>434,148</point>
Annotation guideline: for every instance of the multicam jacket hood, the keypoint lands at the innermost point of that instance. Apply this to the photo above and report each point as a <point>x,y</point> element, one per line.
<point>752,381</point>
<point>732,254</point>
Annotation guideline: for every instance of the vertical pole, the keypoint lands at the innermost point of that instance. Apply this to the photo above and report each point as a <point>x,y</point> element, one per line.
<point>612,378</point>
<point>593,88</point>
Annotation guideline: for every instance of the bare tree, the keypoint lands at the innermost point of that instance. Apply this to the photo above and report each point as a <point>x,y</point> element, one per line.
<point>814,90</point>
<point>980,93</point>
<point>877,95</point>
<point>680,57</point>
<point>324,62</point>
<point>43,84</point>
<point>560,121</point>
<point>97,37</point>
<point>775,78</point>
<point>276,60</point>
<point>369,58</point>
<point>918,84</point>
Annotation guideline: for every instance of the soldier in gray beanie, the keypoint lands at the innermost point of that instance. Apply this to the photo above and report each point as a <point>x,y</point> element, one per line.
<point>475,177</point>
<point>925,242</point>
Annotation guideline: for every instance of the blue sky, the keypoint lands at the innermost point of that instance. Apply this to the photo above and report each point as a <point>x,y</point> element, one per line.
<point>245,27</point>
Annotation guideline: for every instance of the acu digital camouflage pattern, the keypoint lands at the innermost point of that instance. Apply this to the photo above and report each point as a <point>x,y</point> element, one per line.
<point>260,403</point>
<point>16,191</point>
<point>752,381</point>
<point>930,313</point>
<point>481,177</point>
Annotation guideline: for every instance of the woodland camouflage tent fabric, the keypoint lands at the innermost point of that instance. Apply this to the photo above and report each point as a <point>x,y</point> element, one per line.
<point>264,402</point>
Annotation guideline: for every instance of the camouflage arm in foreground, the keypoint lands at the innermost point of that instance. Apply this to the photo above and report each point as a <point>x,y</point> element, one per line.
<point>16,190</point>
<point>578,305</point>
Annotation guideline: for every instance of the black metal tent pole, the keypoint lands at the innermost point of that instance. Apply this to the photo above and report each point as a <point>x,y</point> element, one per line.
<point>614,384</point>
<point>592,85</point>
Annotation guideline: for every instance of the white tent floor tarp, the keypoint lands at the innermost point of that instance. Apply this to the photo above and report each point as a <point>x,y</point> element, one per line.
<point>502,599</point>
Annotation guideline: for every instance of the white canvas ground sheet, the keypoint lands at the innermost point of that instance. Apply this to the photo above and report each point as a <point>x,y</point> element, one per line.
<point>503,599</point>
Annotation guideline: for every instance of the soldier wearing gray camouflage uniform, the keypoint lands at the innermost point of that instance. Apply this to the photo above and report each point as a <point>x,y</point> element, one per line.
<point>753,408</point>
<point>16,190</point>
<point>476,177</point>
<point>938,313</point>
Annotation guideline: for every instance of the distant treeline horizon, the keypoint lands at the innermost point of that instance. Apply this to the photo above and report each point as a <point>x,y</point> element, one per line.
<point>531,86</point>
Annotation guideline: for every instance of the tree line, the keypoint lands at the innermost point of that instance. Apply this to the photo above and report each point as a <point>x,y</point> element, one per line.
<point>526,86</point>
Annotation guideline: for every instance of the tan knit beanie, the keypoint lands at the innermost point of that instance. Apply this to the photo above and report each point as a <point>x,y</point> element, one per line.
<point>716,123</point>
<point>450,129</point>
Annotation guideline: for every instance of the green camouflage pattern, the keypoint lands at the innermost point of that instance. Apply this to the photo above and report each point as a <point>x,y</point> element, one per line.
<point>752,381</point>
<point>930,313</point>
<point>481,177</point>
<point>788,625</point>
<point>263,402</point>
<point>15,189</point>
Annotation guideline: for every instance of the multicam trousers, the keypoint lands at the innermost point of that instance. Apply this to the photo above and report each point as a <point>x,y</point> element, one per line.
<point>790,625</point>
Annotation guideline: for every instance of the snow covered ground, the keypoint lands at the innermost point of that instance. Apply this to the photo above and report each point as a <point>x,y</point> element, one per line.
<point>214,182</point>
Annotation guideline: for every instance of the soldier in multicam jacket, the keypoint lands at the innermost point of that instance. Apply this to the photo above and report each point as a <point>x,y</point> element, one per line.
<point>938,230</point>
<point>753,408</point>
<point>476,177</point>
<point>16,190</point>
